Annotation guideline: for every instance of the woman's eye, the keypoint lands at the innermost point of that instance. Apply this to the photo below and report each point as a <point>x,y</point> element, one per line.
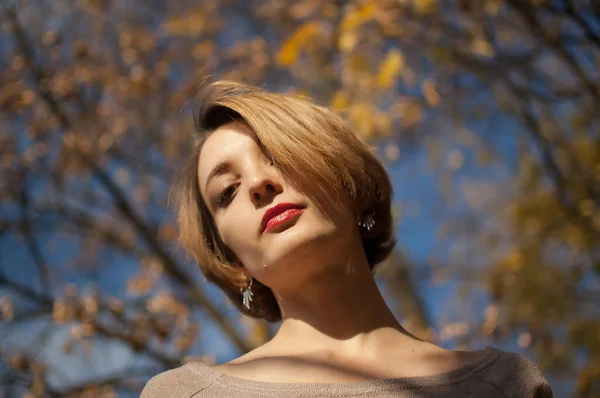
<point>224,197</point>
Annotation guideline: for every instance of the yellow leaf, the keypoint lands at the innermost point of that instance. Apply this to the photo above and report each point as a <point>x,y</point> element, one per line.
<point>514,260</point>
<point>361,117</point>
<point>140,284</point>
<point>431,95</point>
<point>192,25</point>
<point>390,68</point>
<point>482,47</point>
<point>293,44</point>
<point>408,111</point>
<point>352,20</point>
<point>340,101</point>
<point>357,17</point>
<point>27,97</point>
<point>357,65</point>
<point>347,40</point>
<point>203,50</point>
<point>257,331</point>
<point>424,6</point>
<point>383,122</point>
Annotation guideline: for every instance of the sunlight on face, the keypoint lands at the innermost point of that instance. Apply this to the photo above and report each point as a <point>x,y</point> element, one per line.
<point>238,182</point>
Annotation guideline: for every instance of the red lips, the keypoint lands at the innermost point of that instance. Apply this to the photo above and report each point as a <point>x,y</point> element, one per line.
<point>275,211</point>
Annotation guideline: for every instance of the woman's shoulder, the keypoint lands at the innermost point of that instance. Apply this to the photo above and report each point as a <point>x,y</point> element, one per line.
<point>515,375</point>
<point>184,381</point>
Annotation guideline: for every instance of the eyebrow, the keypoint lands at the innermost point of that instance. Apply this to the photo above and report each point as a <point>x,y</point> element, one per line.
<point>219,169</point>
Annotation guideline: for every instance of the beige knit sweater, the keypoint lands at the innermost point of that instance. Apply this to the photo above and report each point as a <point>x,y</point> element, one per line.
<point>497,374</point>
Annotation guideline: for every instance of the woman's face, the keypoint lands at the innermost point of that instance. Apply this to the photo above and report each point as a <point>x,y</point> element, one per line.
<point>239,184</point>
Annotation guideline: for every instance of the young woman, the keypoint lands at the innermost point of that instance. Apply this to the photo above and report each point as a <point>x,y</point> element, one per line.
<point>288,212</point>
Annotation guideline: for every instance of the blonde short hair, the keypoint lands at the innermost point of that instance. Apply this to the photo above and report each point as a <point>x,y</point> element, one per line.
<point>311,146</point>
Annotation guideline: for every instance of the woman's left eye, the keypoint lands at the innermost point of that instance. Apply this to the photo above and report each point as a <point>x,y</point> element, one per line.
<point>225,196</point>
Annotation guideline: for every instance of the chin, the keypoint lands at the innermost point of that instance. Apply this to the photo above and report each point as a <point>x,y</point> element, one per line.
<point>298,244</point>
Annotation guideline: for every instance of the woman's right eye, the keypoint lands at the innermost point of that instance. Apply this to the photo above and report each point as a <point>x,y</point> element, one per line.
<point>225,196</point>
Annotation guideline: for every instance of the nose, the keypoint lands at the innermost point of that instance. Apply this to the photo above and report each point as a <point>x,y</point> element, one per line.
<point>264,186</point>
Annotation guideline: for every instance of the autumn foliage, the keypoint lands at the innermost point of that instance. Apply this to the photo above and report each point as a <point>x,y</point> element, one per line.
<point>500,98</point>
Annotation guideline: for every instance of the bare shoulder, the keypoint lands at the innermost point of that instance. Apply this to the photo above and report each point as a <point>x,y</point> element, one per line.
<point>254,365</point>
<point>184,381</point>
<point>266,364</point>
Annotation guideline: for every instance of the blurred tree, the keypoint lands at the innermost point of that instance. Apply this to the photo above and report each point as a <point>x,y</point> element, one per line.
<point>91,133</point>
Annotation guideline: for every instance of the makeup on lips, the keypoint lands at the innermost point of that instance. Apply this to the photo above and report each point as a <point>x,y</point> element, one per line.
<point>280,214</point>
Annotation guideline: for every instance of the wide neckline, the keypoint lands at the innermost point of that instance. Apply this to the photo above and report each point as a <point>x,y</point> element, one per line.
<point>452,376</point>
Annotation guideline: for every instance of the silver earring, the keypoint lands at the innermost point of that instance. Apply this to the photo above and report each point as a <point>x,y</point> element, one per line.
<point>367,221</point>
<point>248,295</point>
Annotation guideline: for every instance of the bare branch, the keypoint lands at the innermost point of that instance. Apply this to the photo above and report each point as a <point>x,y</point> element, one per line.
<point>36,254</point>
<point>589,32</point>
<point>526,12</point>
<point>170,265</point>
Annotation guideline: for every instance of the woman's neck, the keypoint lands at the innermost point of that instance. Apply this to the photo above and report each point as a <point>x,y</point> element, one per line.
<point>340,311</point>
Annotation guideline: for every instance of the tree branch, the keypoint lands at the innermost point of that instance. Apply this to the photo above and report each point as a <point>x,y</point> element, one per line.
<point>34,249</point>
<point>170,265</point>
<point>525,10</point>
<point>587,29</point>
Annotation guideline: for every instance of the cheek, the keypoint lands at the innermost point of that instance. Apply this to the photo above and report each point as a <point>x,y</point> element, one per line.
<point>237,234</point>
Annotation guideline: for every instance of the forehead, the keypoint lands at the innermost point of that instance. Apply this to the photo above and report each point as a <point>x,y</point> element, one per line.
<point>224,144</point>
